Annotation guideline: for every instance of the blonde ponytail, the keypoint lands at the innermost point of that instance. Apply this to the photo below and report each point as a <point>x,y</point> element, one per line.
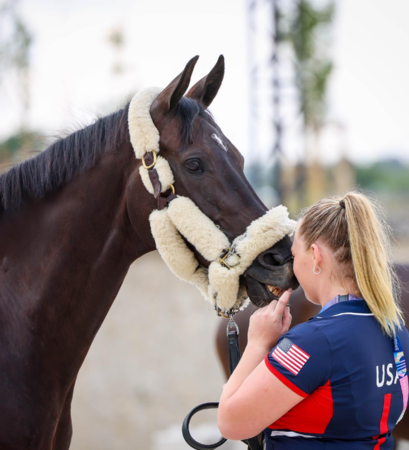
<point>373,268</point>
<point>356,233</point>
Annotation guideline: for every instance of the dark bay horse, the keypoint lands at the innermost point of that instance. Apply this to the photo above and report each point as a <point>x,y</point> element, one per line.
<point>73,219</point>
<point>301,311</point>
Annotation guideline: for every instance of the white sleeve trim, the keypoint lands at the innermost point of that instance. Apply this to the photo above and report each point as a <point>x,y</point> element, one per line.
<point>291,434</point>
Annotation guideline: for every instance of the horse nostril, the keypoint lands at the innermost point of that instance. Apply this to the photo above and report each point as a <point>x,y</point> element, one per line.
<point>272,259</point>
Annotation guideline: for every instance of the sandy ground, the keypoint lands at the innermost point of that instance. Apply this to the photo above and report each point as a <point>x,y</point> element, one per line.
<point>152,361</point>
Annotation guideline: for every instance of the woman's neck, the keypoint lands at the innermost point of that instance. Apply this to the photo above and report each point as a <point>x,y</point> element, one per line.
<point>332,290</point>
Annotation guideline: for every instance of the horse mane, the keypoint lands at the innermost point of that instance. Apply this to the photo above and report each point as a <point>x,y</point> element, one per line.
<point>62,161</point>
<point>43,174</point>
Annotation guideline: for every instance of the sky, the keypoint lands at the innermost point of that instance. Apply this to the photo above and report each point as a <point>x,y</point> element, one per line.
<point>72,81</point>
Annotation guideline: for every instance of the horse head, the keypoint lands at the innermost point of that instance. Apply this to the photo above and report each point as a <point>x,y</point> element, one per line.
<point>208,169</point>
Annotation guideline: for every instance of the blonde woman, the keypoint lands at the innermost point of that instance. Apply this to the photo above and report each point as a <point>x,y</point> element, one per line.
<point>338,380</point>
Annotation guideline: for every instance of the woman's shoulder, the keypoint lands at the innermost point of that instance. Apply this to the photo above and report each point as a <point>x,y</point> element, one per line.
<point>309,332</point>
<point>328,331</point>
<point>308,327</point>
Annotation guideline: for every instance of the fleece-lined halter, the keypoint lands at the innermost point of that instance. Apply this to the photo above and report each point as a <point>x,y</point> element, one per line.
<point>179,216</point>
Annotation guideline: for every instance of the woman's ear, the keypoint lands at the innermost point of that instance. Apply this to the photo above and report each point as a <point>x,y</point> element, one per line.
<point>316,254</point>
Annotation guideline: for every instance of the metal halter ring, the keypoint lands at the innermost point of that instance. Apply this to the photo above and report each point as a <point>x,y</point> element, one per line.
<point>151,165</point>
<point>222,260</point>
<point>221,314</point>
<point>173,188</point>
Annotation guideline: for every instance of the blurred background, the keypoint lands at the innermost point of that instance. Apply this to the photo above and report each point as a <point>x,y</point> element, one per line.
<point>315,97</point>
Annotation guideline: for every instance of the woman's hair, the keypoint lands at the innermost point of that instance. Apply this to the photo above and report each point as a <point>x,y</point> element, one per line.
<point>355,230</point>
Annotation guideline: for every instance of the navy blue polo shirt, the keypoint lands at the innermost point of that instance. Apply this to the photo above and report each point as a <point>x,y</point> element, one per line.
<point>342,364</point>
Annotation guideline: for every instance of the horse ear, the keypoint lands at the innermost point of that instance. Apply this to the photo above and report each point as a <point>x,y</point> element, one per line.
<point>205,90</point>
<point>168,99</point>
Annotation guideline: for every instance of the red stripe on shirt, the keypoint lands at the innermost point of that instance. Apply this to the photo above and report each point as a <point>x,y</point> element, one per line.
<point>383,426</point>
<point>379,443</point>
<point>284,380</point>
<point>311,415</point>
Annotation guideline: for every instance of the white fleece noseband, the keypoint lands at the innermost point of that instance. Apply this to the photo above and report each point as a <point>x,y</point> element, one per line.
<point>220,282</point>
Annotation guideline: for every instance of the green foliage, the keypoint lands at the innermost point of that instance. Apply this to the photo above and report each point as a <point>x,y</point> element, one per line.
<point>308,33</point>
<point>116,38</point>
<point>14,147</point>
<point>16,41</point>
<point>256,174</point>
<point>385,176</point>
<point>261,175</point>
<point>305,28</point>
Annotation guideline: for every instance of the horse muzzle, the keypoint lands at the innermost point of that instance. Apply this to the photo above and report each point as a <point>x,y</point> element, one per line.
<point>270,275</point>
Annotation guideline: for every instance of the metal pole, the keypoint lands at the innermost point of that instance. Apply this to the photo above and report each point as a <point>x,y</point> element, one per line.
<point>277,120</point>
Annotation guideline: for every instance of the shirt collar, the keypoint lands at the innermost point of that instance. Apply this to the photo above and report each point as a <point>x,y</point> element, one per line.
<point>339,298</point>
<point>357,306</point>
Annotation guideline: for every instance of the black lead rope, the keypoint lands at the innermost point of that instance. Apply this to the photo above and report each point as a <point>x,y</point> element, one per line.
<point>234,358</point>
<point>233,343</point>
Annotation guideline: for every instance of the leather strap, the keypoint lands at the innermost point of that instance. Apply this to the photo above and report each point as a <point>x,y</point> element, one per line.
<point>162,203</point>
<point>153,175</point>
<point>254,443</point>
<point>162,200</point>
<point>233,343</point>
<point>157,186</point>
<point>170,197</point>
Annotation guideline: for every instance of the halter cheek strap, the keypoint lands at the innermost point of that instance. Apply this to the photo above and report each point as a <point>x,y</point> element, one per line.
<point>178,216</point>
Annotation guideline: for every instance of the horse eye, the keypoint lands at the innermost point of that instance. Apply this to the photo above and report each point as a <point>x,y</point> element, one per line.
<point>194,165</point>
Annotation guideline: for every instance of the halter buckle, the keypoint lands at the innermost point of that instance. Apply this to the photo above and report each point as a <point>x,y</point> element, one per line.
<point>222,260</point>
<point>150,165</point>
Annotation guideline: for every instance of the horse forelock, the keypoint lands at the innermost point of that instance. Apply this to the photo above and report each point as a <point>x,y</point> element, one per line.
<point>188,110</point>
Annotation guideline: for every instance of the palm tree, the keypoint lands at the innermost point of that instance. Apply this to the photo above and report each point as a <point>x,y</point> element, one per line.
<point>308,33</point>
<point>15,52</point>
<point>15,48</point>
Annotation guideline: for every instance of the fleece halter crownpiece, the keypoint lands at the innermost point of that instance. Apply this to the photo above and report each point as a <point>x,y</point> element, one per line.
<point>180,216</point>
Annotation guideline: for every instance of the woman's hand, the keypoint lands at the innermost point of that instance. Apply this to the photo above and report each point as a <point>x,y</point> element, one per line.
<point>268,324</point>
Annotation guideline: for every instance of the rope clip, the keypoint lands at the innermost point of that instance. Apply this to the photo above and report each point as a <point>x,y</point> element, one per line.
<point>232,327</point>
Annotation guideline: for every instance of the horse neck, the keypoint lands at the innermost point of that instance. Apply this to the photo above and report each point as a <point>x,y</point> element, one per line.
<point>65,257</point>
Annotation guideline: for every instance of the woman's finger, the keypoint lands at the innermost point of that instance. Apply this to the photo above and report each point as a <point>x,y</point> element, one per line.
<point>271,306</point>
<point>287,318</point>
<point>282,303</point>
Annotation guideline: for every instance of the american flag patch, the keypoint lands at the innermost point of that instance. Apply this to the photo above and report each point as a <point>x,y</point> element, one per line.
<point>290,356</point>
